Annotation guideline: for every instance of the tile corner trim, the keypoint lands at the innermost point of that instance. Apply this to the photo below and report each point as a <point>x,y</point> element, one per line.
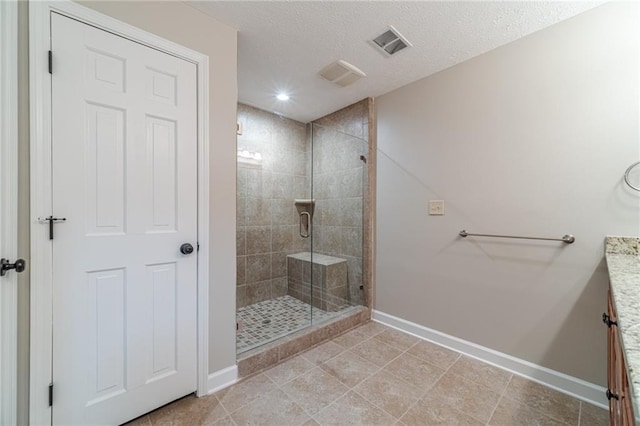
<point>572,386</point>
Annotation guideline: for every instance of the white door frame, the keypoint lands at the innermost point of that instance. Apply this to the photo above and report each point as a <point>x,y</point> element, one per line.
<point>41,247</point>
<point>8,210</point>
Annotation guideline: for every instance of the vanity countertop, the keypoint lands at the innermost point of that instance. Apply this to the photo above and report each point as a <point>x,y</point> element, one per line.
<point>623,262</point>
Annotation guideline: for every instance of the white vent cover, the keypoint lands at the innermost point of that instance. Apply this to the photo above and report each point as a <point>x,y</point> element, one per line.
<point>342,73</point>
<point>391,41</point>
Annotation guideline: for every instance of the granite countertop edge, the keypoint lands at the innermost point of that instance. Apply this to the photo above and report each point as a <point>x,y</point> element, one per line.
<point>623,263</point>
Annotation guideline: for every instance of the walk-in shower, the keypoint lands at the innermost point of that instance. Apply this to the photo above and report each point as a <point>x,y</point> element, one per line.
<point>300,203</point>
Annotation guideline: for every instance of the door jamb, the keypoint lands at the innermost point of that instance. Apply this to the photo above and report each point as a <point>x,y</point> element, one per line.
<point>8,210</point>
<point>40,172</point>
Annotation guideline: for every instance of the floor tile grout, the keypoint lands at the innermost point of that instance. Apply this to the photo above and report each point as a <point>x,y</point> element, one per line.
<point>495,408</point>
<point>580,413</point>
<point>416,391</point>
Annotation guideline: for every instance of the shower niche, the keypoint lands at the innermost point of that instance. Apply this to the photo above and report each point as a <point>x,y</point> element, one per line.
<point>300,226</point>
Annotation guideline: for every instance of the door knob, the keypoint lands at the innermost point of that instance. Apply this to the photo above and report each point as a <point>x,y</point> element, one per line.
<point>6,266</point>
<point>186,248</point>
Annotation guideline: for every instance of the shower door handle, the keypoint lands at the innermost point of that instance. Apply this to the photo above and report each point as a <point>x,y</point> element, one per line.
<point>304,234</point>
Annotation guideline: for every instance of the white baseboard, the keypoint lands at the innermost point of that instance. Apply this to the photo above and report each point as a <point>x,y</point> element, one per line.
<point>222,379</point>
<point>561,382</point>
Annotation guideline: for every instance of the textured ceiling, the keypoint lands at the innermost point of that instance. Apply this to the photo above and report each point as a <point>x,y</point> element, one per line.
<point>283,44</point>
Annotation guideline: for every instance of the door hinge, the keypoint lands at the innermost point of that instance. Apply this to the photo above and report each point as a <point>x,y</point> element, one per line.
<point>50,62</point>
<point>198,246</point>
<point>50,394</point>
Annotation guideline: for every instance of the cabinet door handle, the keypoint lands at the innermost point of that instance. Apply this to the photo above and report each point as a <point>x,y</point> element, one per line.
<point>607,320</point>
<point>611,395</point>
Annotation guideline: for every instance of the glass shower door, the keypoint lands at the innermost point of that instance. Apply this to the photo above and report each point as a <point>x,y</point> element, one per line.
<point>273,170</point>
<point>338,185</point>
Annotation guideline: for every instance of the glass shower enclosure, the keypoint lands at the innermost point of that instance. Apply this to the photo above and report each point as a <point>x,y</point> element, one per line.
<point>300,225</point>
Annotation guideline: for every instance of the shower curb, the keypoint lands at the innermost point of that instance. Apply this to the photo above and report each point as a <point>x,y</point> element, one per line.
<point>263,357</point>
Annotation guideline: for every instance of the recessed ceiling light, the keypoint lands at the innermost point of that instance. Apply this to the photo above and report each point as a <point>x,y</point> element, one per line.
<point>282,97</point>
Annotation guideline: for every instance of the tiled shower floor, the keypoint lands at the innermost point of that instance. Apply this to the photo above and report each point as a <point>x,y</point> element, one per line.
<point>267,321</point>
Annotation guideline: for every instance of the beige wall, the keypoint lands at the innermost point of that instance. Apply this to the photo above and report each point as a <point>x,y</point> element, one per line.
<point>182,24</point>
<point>531,138</point>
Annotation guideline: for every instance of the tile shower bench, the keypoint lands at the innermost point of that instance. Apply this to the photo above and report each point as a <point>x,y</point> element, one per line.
<point>329,277</point>
<point>623,320</point>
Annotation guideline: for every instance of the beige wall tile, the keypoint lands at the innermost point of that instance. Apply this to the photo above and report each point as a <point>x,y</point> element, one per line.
<point>279,287</point>
<point>258,239</point>
<point>241,248</point>
<point>258,268</point>
<point>257,211</point>
<point>279,265</point>
<point>240,270</point>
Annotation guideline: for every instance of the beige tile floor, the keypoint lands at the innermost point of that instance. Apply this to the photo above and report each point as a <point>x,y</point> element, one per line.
<point>375,375</point>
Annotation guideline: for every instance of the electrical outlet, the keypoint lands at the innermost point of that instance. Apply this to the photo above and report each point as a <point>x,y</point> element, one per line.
<point>436,207</point>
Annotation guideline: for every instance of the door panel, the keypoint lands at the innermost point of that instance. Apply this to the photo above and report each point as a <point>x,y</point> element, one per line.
<point>125,178</point>
<point>106,290</point>
<point>161,146</point>
<point>104,170</point>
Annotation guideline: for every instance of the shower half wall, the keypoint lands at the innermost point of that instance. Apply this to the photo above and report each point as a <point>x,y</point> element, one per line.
<point>286,282</point>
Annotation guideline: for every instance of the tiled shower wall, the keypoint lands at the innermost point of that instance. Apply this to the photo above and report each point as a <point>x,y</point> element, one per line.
<point>267,222</point>
<point>339,185</point>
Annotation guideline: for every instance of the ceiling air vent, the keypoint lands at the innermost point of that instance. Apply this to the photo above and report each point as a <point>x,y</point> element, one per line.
<point>391,41</point>
<point>342,73</point>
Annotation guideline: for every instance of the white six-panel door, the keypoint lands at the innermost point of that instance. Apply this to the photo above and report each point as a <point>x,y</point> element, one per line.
<point>124,150</point>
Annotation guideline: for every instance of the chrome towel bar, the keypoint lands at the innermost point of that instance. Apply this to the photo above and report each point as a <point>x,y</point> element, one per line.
<point>569,239</point>
<point>626,176</point>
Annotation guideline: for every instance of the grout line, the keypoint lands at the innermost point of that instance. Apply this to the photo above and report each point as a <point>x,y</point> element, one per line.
<point>580,413</point>
<point>227,413</point>
<point>376,405</point>
<point>393,375</point>
<point>494,409</point>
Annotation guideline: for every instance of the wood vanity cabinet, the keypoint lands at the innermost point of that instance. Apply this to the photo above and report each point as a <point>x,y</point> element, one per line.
<point>620,403</point>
